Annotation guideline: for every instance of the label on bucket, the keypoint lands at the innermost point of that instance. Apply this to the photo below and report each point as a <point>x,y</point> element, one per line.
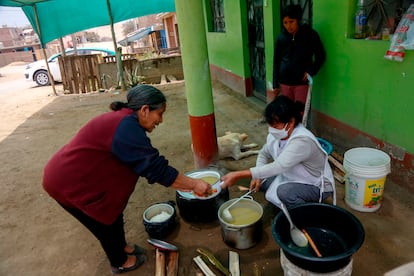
<point>364,194</point>
<point>374,190</point>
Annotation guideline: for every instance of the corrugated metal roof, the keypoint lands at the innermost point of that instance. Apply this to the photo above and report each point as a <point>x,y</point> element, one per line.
<point>136,36</point>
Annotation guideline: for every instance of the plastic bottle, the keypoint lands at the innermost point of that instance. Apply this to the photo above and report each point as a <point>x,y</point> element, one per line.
<point>360,21</point>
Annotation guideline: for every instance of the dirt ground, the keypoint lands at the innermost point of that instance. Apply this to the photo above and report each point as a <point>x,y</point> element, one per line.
<point>37,237</point>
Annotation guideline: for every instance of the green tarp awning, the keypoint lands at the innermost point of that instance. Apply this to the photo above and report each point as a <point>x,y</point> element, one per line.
<point>58,18</point>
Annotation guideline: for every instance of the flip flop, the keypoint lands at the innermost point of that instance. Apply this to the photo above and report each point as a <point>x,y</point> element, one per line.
<point>140,259</point>
<point>137,250</point>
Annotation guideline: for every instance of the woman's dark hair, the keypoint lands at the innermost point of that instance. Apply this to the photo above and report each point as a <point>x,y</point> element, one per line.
<point>140,95</point>
<point>292,11</point>
<point>282,109</point>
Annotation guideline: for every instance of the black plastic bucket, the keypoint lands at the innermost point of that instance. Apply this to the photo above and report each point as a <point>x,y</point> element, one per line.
<point>336,232</point>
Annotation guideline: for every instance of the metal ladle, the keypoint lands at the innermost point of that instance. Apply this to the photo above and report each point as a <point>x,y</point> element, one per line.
<point>226,213</point>
<point>297,236</point>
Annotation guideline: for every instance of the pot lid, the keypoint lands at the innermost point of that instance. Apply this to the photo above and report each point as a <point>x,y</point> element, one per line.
<point>162,245</point>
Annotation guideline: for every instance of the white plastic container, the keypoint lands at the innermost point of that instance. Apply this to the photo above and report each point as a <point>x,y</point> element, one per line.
<point>290,269</point>
<point>366,170</point>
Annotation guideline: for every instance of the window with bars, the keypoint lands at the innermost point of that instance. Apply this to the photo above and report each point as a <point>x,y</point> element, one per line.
<point>217,16</point>
<point>383,15</point>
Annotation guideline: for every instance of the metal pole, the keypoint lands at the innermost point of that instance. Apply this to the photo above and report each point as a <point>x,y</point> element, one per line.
<point>52,82</point>
<point>117,51</point>
<point>308,102</point>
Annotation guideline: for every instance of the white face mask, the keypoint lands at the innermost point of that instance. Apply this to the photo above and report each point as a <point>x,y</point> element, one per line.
<point>279,134</point>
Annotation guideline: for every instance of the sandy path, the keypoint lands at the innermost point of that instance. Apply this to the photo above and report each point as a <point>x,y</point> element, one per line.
<point>19,99</point>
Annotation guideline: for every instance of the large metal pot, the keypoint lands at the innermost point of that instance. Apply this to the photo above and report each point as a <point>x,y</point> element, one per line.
<point>336,232</point>
<point>197,210</point>
<point>242,236</point>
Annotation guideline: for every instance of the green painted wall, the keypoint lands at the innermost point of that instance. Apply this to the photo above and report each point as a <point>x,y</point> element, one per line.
<point>356,85</point>
<point>230,50</point>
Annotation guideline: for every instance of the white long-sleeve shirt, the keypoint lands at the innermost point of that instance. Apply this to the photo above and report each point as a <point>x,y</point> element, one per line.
<point>283,157</point>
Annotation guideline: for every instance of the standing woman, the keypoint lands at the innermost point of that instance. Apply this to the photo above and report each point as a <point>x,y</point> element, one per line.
<point>292,165</point>
<point>298,53</point>
<point>93,176</point>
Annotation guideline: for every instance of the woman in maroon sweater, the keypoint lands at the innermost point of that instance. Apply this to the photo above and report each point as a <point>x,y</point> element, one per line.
<point>93,176</point>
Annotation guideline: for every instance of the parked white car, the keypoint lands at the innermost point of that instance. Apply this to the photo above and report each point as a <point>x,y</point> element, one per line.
<point>37,71</point>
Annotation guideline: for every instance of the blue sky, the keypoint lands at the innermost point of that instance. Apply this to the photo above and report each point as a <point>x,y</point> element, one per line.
<point>12,17</point>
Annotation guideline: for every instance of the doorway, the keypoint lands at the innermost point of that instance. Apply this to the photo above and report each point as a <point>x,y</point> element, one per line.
<point>256,40</point>
<point>256,47</point>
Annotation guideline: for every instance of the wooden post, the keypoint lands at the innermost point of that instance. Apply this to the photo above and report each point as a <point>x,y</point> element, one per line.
<point>234,265</point>
<point>159,263</point>
<point>172,265</point>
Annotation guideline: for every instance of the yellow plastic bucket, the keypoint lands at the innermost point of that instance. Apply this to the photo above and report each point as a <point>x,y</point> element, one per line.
<point>366,170</point>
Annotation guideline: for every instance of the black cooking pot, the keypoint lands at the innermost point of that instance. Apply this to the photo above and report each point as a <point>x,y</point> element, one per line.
<point>193,209</point>
<point>336,233</point>
<point>162,226</point>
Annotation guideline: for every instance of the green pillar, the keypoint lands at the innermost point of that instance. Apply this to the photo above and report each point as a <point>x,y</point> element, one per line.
<point>192,32</point>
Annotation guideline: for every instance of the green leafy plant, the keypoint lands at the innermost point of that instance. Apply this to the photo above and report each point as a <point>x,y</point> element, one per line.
<point>132,78</point>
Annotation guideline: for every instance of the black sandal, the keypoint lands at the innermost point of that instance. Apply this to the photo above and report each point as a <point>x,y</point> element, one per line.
<point>137,250</point>
<point>140,259</point>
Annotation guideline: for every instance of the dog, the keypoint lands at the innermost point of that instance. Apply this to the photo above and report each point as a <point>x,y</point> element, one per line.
<point>231,145</point>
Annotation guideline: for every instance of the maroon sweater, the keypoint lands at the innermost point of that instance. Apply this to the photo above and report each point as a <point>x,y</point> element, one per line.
<point>96,172</point>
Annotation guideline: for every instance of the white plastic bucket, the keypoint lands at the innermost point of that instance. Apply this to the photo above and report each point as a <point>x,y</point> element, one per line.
<point>366,170</point>
<point>290,269</point>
